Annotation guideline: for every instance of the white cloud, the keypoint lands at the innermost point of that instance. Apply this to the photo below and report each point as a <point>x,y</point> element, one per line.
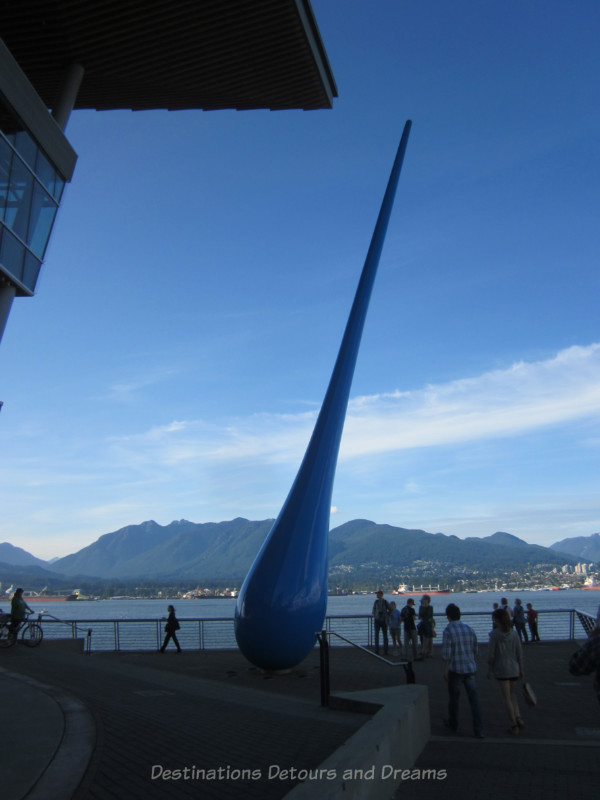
<point>508,402</point>
<point>127,391</point>
<point>519,399</point>
<point>220,468</point>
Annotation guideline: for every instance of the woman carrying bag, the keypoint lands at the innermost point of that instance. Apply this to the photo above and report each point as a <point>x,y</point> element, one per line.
<point>505,663</point>
<point>170,628</point>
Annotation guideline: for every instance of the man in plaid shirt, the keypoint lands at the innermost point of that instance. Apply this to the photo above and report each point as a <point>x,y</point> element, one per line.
<point>587,658</point>
<point>459,655</point>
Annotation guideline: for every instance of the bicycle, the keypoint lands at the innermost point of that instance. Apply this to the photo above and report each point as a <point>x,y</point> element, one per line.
<point>30,631</point>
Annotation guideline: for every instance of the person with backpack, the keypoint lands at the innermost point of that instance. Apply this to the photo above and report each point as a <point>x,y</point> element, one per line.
<point>532,621</point>
<point>519,621</point>
<point>411,638</point>
<point>381,610</point>
<point>395,621</point>
<point>426,626</point>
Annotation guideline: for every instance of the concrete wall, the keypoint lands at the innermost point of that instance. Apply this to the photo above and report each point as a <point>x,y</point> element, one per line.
<point>369,765</point>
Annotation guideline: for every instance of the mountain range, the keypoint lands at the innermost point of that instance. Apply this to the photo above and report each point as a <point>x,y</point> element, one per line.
<point>224,551</point>
<point>585,548</point>
<point>9,554</point>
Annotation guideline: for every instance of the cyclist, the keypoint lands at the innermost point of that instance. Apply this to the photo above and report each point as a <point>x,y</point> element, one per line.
<point>18,611</point>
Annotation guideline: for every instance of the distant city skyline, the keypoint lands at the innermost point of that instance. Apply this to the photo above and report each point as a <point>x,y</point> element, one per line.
<point>203,264</point>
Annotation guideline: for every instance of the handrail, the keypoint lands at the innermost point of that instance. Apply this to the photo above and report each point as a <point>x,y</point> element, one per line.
<point>217,633</point>
<point>369,652</point>
<point>324,662</point>
<point>588,623</point>
<point>74,628</point>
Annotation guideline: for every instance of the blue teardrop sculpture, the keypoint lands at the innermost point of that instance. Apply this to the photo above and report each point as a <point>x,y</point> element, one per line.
<point>283,601</point>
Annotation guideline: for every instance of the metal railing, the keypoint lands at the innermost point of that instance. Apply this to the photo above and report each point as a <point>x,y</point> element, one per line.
<point>144,634</point>
<point>77,631</point>
<point>325,638</point>
<point>218,634</point>
<point>553,624</point>
<point>588,623</point>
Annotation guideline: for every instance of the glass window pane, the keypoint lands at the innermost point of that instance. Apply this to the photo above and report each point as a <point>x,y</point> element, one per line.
<point>5,159</point>
<point>50,178</point>
<point>45,172</point>
<point>11,255</point>
<point>26,147</point>
<point>59,185</point>
<point>31,270</point>
<point>43,211</point>
<point>19,198</point>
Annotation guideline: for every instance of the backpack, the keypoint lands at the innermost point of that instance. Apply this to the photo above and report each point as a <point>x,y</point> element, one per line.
<point>382,615</point>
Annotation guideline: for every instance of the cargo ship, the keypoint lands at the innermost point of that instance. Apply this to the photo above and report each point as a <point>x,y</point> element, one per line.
<point>43,597</point>
<point>591,585</point>
<point>404,590</point>
<point>58,597</point>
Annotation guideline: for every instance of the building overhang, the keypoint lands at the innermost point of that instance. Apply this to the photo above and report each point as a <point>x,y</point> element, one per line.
<point>18,93</point>
<point>173,54</point>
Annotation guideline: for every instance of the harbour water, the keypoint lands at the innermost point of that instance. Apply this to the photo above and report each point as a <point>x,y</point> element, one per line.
<point>354,605</point>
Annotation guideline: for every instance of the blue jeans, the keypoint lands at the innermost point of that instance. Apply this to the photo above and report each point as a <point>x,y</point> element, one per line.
<point>522,631</point>
<point>381,625</point>
<point>455,679</point>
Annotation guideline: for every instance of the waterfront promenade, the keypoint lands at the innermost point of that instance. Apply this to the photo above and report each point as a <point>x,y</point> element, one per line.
<point>94,727</point>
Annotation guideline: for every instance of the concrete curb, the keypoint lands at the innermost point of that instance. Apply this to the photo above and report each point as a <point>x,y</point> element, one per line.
<point>61,773</point>
<point>369,765</point>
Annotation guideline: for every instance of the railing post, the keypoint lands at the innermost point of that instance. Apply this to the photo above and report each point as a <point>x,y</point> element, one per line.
<point>324,661</point>
<point>572,624</point>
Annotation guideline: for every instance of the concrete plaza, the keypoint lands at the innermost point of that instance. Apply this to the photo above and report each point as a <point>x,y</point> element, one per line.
<point>108,725</point>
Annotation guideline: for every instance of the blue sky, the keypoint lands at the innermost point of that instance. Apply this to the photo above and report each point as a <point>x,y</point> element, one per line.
<point>203,265</point>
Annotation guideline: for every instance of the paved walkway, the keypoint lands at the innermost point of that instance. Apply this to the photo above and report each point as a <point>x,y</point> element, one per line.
<point>108,726</point>
<point>557,755</point>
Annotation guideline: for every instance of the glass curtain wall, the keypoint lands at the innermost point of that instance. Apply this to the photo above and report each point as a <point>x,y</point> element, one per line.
<point>30,192</point>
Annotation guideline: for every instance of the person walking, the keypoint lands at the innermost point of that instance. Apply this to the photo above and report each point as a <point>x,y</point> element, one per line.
<point>505,663</point>
<point>425,628</point>
<point>170,628</point>
<point>459,656</point>
<point>411,639</point>
<point>381,610</point>
<point>519,621</point>
<point>394,620</point>
<point>532,621</point>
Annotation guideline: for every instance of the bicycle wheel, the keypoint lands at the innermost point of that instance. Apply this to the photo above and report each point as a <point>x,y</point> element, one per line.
<point>6,638</point>
<point>32,635</point>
